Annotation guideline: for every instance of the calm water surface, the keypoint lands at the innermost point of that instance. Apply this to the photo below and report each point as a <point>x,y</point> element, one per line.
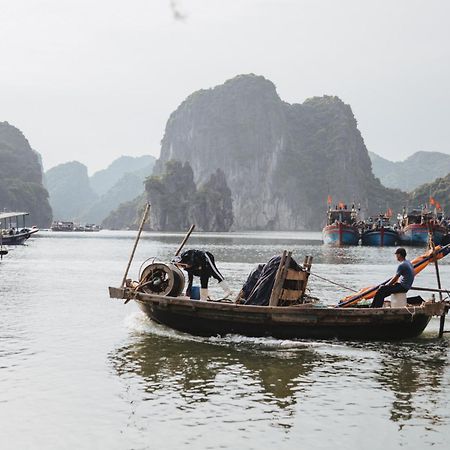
<point>79,370</point>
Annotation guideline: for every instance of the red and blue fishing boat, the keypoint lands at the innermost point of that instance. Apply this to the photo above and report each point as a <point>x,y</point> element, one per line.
<point>379,232</point>
<point>341,227</point>
<point>416,226</point>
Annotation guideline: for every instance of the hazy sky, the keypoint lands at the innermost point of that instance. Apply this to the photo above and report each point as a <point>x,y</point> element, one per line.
<point>92,80</point>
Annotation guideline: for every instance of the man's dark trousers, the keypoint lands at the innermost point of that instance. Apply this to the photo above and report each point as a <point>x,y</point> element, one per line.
<point>386,291</point>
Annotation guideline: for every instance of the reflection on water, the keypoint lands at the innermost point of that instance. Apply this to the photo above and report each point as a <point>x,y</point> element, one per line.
<point>203,372</point>
<point>414,373</point>
<point>259,379</point>
<point>250,383</point>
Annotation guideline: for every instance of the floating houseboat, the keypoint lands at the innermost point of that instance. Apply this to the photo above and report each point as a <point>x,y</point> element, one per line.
<point>71,226</point>
<point>61,225</point>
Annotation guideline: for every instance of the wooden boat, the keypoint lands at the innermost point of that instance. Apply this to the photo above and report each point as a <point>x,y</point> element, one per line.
<point>379,232</point>
<point>11,233</point>
<point>286,316</point>
<point>285,322</point>
<point>415,228</point>
<point>341,227</point>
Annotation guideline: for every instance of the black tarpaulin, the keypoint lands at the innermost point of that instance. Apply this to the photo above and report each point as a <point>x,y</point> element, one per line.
<point>263,285</point>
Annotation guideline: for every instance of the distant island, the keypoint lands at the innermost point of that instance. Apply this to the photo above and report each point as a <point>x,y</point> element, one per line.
<point>76,196</point>
<point>419,168</point>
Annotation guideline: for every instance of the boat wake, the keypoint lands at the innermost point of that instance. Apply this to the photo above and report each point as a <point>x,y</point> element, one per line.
<point>138,322</point>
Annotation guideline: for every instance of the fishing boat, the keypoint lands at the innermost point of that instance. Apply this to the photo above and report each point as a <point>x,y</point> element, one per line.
<point>289,311</point>
<point>416,226</point>
<point>286,322</point>
<point>341,227</point>
<point>379,232</point>
<point>12,233</point>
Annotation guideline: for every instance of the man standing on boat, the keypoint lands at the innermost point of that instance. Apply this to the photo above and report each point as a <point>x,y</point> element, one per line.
<point>401,282</point>
<point>201,264</point>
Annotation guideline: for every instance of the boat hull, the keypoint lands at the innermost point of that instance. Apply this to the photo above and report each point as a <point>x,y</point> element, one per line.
<point>417,234</point>
<point>213,318</point>
<point>380,238</point>
<point>17,238</point>
<point>340,234</point>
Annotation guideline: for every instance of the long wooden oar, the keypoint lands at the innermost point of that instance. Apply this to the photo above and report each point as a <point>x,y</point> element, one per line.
<point>144,218</point>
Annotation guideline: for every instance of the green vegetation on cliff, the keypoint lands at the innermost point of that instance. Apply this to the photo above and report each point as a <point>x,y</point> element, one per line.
<point>177,203</point>
<point>438,189</point>
<point>127,216</point>
<point>21,187</point>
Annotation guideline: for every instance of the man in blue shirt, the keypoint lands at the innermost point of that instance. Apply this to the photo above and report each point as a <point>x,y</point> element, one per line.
<point>401,282</point>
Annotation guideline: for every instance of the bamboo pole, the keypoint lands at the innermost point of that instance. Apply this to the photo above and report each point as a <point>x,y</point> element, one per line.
<point>144,218</point>
<point>185,239</point>
<point>444,291</point>
<point>442,319</point>
<point>438,278</point>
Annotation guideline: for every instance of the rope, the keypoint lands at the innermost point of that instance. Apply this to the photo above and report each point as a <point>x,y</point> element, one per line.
<point>412,313</point>
<point>333,282</point>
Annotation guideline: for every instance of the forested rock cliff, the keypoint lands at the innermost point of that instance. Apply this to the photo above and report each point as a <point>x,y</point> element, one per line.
<point>21,187</point>
<point>280,161</point>
<point>177,203</point>
<point>439,189</point>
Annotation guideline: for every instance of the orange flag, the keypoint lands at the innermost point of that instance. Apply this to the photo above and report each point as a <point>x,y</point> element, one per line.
<point>329,200</point>
<point>438,206</point>
<point>432,200</point>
